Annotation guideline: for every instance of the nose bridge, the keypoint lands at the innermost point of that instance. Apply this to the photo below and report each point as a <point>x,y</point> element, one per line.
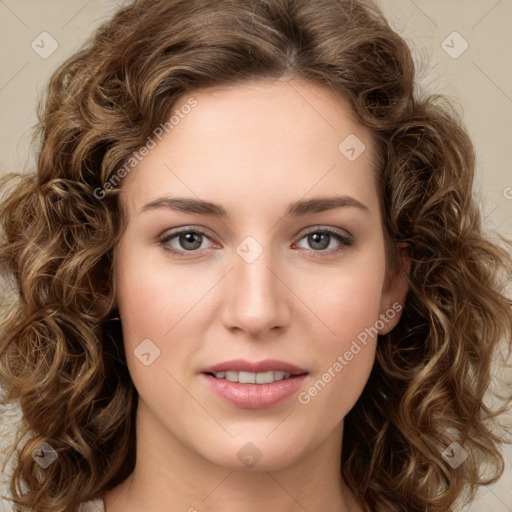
<point>257,298</point>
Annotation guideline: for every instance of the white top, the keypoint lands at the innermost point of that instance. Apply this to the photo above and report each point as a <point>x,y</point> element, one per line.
<point>92,506</point>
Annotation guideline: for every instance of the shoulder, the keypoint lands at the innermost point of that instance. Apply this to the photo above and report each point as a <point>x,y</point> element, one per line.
<point>92,506</point>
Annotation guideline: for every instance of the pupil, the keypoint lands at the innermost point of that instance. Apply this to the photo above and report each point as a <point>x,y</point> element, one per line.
<point>189,238</point>
<point>314,239</point>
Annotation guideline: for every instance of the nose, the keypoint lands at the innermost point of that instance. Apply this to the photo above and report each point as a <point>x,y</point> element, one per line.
<point>257,297</point>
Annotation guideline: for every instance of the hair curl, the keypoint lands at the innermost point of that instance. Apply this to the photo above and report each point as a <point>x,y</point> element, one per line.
<point>61,352</point>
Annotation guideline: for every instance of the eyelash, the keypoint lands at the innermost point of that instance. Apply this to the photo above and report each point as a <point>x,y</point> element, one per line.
<point>345,241</point>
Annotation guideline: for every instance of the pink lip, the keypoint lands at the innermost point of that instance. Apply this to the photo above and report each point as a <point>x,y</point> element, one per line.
<point>254,396</point>
<point>268,365</point>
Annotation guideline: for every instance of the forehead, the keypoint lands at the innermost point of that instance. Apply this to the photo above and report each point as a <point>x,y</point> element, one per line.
<point>284,112</point>
<point>258,139</point>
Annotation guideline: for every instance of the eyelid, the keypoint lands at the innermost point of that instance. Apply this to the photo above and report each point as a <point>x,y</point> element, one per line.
<point>344,238</point>
<point>328,229</point>
<point>173,233</point>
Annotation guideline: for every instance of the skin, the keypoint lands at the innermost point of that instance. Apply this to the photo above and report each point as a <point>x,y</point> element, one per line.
<point>254,149</point>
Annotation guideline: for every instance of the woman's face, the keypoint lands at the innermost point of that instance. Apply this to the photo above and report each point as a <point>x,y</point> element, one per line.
<point>258,273</point>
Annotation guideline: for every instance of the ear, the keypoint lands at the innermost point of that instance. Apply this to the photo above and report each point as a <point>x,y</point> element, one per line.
<point>394,291</point>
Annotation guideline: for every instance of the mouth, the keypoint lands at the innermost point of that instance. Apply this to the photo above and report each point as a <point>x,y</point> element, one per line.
<point>254,384</point>
<point>253,378</point>
<point>254,390</point>
<point>254,372</point>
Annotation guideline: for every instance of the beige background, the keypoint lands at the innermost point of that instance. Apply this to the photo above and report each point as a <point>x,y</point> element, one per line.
<point>478,79</point>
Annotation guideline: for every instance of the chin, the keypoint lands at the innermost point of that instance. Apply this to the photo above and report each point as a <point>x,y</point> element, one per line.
<point>256,455</point>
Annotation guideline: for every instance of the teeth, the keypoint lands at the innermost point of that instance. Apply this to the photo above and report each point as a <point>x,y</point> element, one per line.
<point>252,378</point>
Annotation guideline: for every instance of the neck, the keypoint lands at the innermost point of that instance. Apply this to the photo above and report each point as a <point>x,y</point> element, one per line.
<point>170,476</point>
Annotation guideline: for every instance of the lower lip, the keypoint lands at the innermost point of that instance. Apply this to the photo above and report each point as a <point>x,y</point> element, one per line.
<point>255,396</point>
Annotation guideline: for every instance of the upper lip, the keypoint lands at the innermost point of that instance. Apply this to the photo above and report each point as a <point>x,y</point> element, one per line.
<point>268,365</point>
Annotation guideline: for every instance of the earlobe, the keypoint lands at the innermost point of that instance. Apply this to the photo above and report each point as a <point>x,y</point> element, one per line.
<point>395,291</point>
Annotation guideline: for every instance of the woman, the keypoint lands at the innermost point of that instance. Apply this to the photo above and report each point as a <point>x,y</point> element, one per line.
<point>250,272</point>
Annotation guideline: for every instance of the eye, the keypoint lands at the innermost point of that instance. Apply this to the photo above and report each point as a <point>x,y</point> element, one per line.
<point>320,239</point>
<point>189,241</point>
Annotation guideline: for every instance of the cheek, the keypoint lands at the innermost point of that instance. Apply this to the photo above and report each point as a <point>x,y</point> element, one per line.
<point>345,356</point>
<point>148,292</point>
<point>143,300</point>
<point>346,341</point>
<point>156,302</point>
<point>347,302</point>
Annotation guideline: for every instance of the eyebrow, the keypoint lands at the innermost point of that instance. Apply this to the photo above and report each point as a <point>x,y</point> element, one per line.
<point>299,208</point>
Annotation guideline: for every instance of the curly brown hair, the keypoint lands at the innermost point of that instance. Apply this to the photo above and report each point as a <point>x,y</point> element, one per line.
<point>61,350</point>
